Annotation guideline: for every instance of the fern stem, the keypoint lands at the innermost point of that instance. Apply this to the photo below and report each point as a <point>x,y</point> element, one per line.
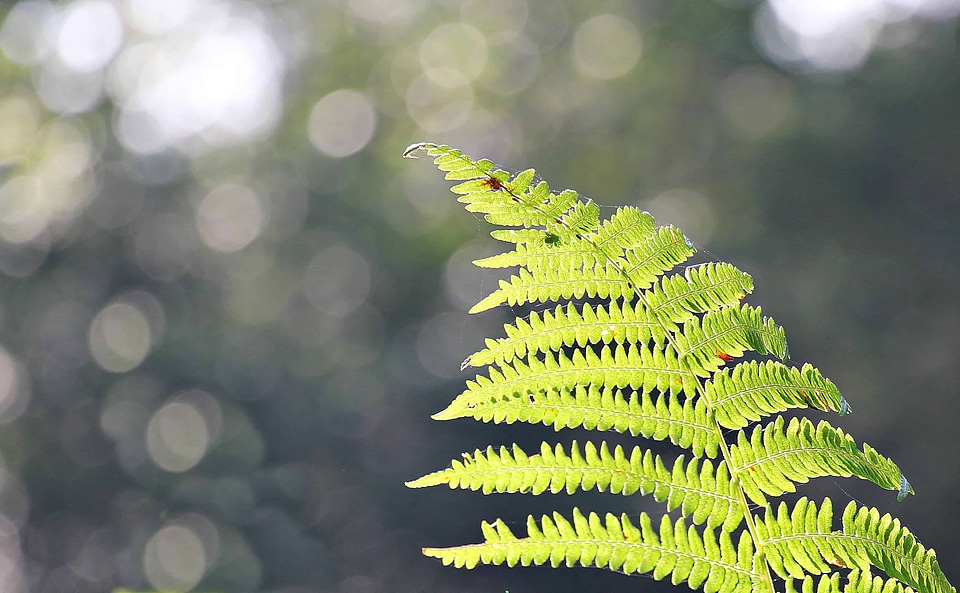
<point>744,503</point>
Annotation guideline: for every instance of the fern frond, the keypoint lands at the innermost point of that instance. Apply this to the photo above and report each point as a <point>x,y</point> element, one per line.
<point>629,227</point>
<point>795,557</point>
<point>571,327</point>
<point>645,356</point>
<point>686,424</point>
<point>674,299</point>
<point>891,548</point>
<point>707,343</point>
<point>801,540</point>
<point>753,390</point>
<point>683,553</point>
<point>647,262</point>
<point>775,457</point>
<point>545,284</point>
<point>577,221</point>
<point>635,366</point>
<point>677,298</point>
<point>574,255</point>
<point>703,492</point>
<point>640,267</point>
<point>582,249</point>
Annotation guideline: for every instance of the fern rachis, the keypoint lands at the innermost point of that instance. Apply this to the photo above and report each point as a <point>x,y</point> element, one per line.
<point>637,347</point>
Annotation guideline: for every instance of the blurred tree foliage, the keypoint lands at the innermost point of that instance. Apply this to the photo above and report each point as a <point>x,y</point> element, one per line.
<point>228,307</point>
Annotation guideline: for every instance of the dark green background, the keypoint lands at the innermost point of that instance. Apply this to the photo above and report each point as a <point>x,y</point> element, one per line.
<point>837,190</point>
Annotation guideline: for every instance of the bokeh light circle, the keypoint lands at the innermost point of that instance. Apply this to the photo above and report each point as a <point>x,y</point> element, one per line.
<point>229,218</point>
<point>337,280</point>
<point>155,18</point>
<point>453,54</point>
<point>19,120</point>
<point>386,12</point>
<point>212,78</point>
<point>174,559</point>
<point>342,123</point>
<point>120,337</point>
<point>67,91</point>
<point>177,436</point>
<point>22,211</point>
<point>437,108</point>
<point>756,102</point>
<point>606,46</point>
<point>21,35</point>
<point>500,20</point>
<point>90,35</point>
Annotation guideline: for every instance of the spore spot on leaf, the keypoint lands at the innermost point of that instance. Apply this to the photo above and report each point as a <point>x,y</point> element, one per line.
<point>494,184</point>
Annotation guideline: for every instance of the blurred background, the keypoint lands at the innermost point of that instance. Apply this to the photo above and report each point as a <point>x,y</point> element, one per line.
<point>228,306</point>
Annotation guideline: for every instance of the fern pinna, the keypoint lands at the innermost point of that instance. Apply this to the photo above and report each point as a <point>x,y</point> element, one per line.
<point>654,358</point>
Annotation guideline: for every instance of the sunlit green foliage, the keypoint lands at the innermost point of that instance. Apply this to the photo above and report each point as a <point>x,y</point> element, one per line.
<point>647,355</point>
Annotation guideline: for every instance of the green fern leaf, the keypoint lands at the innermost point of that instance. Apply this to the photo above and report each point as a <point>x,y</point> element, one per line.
<point>891,548</point>
<point>647,262</point>
<point>546,284</point>
<point>570,327</point>
<point>638,367</point>
<point>752,390</point>
<point>699,289</point>
<point>629,227</point>
<point>617,544</point>
<point>647,357</point>
<point>674,299</point>
<point>686,424</point>
<point>801,540</point>
<point>776,456</point>
<point>702,492</point>
<point>536,207</point>
<point>581,249</point>
<point>577,221</point>
<point>709,342</point>
<point>640,267</point>
<point>575,255</point>
<point>857,582</point>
